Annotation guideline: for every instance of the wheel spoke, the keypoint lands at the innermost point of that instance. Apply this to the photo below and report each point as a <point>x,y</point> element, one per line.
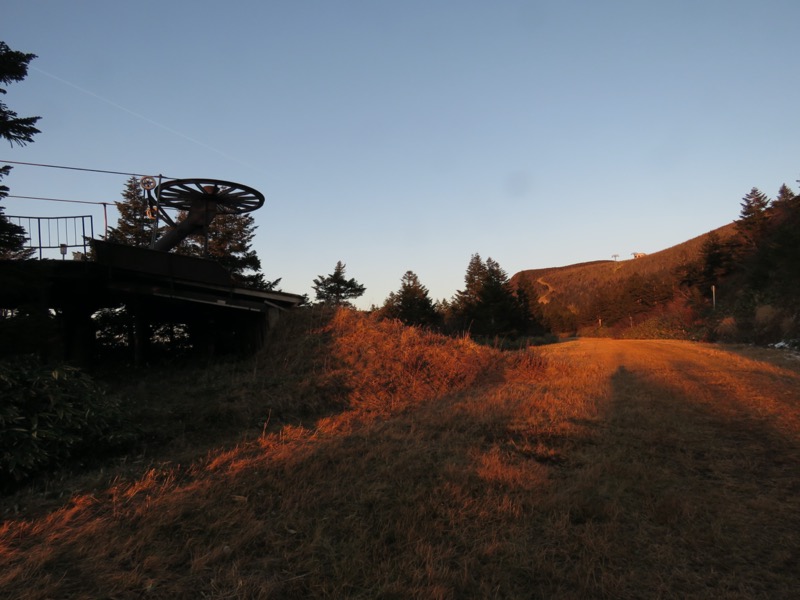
<point>186,189</point>
<point>244,195</point>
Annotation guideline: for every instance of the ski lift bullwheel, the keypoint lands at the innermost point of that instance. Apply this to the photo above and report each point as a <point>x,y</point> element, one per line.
<point>229,198</point>
<point>201,200</point>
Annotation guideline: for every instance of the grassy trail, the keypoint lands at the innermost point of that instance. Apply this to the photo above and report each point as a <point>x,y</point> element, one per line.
<point>692,480</point>
<point>601,469</point>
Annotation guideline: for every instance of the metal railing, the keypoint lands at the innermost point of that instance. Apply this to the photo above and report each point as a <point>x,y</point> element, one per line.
<point>61,233</point>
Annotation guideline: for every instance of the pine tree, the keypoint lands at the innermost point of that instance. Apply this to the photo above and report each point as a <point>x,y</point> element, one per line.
<point>531,313</point>
<point>785,195</point>
<point>499,310</point>
<point>462,311</point>
<point>752,221</point>
<point>488,304</point>
<point>13,239</point>
<point>785,204</point>
<point>335,289</point>
<point>230,238</point>
<point>19,131</point>
<point>13,68</point>
<point>775,265</point>
<point>473,281</point>
<point>716,260</point>
<point>411,304</point>
<point>134,226</point>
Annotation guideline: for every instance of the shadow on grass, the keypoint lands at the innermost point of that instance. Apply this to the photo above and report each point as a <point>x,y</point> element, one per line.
<point>701,500</point>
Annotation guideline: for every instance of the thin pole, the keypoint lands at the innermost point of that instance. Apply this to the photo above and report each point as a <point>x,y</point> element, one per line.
<point>158,213</point>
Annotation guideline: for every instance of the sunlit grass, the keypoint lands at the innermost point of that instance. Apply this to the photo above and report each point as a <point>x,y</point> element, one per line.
<point>379,461</point>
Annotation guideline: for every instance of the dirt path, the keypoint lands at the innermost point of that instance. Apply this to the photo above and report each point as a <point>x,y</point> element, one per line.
<point>545,298</point>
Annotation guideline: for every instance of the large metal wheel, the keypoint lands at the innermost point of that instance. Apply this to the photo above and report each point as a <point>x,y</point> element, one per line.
<point>230,198</point>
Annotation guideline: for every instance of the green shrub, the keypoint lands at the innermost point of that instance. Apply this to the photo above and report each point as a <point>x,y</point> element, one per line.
<point>48,415</point>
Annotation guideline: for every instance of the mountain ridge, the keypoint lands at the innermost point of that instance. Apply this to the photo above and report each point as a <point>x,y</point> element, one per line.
<point>584,296</point>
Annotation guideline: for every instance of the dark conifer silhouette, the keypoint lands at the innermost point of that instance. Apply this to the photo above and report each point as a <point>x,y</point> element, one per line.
<point>752,221</point>
<point>335,289</point>
<point>17,131</point>
<point>135,223</point>
<point>489,304</point>
<point>411,304</point>
<point>230,243</point>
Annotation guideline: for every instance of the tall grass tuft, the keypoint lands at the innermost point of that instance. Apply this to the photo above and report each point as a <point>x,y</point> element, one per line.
<point>384,365</point>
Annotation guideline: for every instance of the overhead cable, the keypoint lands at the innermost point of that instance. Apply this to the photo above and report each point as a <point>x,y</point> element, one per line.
<point>29,164</point>
<point>60,200</point>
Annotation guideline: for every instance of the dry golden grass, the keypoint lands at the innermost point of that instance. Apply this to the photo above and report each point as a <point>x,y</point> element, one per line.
<point>428,467</point>
<point>577,280</point>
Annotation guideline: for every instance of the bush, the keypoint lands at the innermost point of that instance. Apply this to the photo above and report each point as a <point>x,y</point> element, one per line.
<point>49,415</point>
<point>28,330</point>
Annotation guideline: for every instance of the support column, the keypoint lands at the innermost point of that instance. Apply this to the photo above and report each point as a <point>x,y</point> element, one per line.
<point>78,331</point>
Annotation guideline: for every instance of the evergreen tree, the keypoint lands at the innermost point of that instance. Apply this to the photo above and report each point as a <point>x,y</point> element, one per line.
<point>473,281</point>
<point>12,239</point>
<point>785,196</point>
<point>488,304</point>
<point>753,227</point>
<point>752,221</point>
<point>335,289</point>
<point>775,265</point>
<point>443,308</point>
<point>13,68</point>
<point>230,238</point>
<point>498,309</point>
<point>411,304</point>
<point>135,225</point>
<point>531,314</point>
<point>19,131</point>
<point>716,261</point>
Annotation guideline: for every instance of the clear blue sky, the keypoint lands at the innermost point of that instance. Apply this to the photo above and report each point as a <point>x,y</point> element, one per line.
<point>399,136</point>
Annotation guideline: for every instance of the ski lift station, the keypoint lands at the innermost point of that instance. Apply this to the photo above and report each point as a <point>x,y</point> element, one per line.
<point>156,285</point>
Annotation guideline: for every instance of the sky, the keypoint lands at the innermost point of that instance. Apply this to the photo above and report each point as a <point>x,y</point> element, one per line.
<point>397,136</point>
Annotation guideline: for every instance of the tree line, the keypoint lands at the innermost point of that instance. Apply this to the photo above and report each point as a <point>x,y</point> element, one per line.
<point>489,304</point>
<point>752,278</point>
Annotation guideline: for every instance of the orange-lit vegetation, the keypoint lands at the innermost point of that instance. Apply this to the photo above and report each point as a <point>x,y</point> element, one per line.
<point>738,283</point>
<point>360,458</point>
<point>628,293</point>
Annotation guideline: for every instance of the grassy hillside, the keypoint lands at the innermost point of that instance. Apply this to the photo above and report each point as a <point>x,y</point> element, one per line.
<point>737,283</point>
<point>359,458</point>
<point>577,281</point>
<point>570,293</point>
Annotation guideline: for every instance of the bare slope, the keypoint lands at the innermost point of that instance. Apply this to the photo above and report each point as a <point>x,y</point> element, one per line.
<point>574,283</point>
<point>592,469</point>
